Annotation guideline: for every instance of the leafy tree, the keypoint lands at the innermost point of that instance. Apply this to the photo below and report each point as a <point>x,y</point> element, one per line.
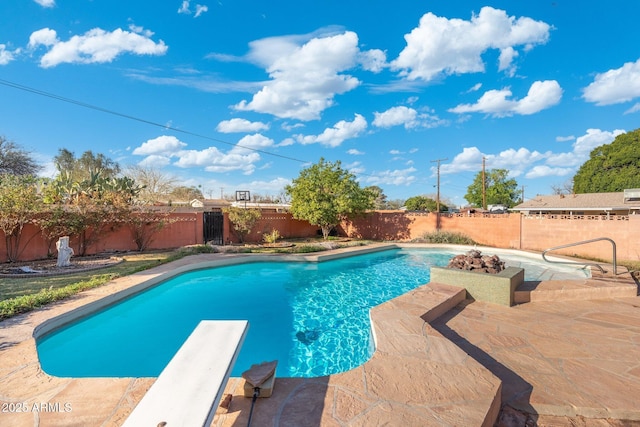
<point>86,208</point>
<point>14,160</point>
<point>243,220</point>
<point>611,167</point>
<point>82,168</point>
<point>499,190</point>
<point>379,198</point>
<point>324,194</point>
<point>19,203</point>
<point>423,203</point>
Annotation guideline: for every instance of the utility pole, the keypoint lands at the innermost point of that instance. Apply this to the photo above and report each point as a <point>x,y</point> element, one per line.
<point>522,194</point>
<point>484,186</point>
<point>221,193</point>
<point>438,185</point>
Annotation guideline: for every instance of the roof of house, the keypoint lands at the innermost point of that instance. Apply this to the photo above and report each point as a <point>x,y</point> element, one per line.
<point>585,201</point>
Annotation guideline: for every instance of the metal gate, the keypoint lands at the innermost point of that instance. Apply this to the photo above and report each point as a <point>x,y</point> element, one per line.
<point>212,225</point>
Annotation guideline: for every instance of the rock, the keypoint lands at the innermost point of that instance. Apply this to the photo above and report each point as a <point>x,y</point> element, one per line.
<point>475,261</point>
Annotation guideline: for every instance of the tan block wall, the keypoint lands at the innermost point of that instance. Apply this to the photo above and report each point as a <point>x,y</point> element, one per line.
<point>503,231</point>
<point>187,230</point>
<point>541,233</point>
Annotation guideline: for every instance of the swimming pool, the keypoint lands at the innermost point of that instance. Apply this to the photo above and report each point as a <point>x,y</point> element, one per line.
<point>311,317</point>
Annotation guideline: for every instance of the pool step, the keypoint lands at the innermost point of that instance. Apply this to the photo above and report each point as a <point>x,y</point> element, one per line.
<point>594,288</point>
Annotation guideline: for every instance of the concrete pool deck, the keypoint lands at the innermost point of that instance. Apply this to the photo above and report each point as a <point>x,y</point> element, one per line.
<point>440,360</point>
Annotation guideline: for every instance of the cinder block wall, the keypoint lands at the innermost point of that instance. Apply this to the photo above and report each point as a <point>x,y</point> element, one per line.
<point>503,231</point>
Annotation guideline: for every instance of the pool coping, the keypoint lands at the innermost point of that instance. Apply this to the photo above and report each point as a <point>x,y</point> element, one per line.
<point>19,334</point>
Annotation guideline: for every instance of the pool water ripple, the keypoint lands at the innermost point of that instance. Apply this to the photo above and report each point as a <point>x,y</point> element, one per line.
<point>312,318</point>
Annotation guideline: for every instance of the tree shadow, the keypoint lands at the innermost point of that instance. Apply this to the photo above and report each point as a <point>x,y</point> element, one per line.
<point>381,225</point>
<point>516,391</point>
<point>5,345</point>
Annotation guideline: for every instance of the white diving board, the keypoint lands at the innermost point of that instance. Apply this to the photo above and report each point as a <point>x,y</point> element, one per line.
<point>188,391</point>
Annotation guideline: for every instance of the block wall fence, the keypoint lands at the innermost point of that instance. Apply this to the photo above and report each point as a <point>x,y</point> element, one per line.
<point>513,231</point>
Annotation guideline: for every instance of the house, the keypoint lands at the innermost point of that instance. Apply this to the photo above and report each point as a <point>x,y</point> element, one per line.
<point>209,204</point>
<point>263,206</point>
<point>626,202</point>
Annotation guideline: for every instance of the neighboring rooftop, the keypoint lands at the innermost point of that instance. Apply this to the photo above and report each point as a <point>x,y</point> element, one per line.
<point>623,202</point>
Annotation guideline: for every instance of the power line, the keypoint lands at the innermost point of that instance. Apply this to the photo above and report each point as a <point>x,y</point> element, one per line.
<point>152,123</point>
<point>138,119</point>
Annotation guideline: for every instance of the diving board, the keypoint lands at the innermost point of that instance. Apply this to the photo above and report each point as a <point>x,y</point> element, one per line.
<point>190,387</point>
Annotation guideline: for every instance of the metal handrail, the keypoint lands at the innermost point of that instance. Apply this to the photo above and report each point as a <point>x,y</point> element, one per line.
<point>615,269</point>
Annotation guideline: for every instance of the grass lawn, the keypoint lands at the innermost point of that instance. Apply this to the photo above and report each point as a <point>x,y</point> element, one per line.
<point>20,295</point>
<point>12,287</point>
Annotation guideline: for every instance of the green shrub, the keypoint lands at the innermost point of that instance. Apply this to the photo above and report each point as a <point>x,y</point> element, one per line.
<point>271,237</point>
<point>305,249</point>
<point>449,237</point>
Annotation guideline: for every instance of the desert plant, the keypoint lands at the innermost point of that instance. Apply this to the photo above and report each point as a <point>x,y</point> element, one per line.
<point>271,237</point>
<point>450,237</point>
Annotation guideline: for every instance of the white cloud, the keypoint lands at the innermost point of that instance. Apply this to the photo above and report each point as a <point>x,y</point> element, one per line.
<point>46,3</point>
<point>615,86</point>
<point>516,161</point>
<point>396,116</point>
<point>355,152</point>
<point>185,9</point>
<point>6,55</point>
<point>44,36</point>
<point>408,117</point>
<point>274,186</point>
<point>476,87</point>
<point>164,144</point>
<point>95,46</point>
<point>252,142</point>
<point>356,168</point>
<point>523,161</point>
<point>373,60</point>
<point>441,46</point>
<point>392,177</point>
<point>306,72</point>
<point>594,138</point>
<point>541,95</point>
<point>582,148</point>
<point>541,171</point>
<point>565,138</point>
<point>633,109</point>
<point>505,61</point>
<point>155,161</point>
<point>200,9</point>
<point>213,160</point>
<point>242,156</point>
<point>240,125</point>
<point>335,135</point>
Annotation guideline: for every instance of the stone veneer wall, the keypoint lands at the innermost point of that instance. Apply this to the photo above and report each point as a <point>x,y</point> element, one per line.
<point>495,288</point>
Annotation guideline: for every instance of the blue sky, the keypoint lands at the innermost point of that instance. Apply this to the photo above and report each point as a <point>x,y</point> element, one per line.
<point>240,95</point>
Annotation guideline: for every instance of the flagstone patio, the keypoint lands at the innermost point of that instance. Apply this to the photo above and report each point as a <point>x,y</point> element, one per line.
<point>440,360</point>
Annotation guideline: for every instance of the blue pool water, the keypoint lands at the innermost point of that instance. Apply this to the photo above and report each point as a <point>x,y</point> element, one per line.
<point>311,317</point>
